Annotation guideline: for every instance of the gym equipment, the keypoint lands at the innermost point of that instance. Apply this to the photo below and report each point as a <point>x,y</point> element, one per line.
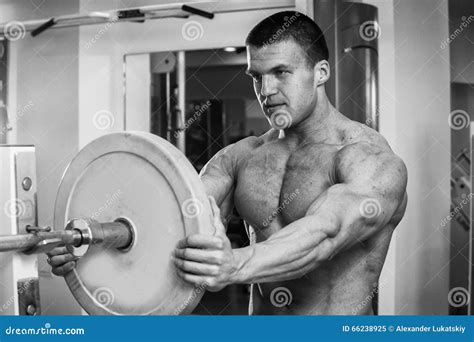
<point>124,202</point>
<point>14,30</point>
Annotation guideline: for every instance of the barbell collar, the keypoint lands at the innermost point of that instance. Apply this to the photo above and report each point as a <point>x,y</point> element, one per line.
<point>118,234</point>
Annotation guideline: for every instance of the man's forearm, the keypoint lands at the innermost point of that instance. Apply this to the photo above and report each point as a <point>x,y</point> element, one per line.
<point>288,254</point>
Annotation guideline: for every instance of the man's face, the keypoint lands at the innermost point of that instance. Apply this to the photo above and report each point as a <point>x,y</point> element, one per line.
<point>283,79</point>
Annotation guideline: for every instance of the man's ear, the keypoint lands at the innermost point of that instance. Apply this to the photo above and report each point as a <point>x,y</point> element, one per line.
<point>322,72</point>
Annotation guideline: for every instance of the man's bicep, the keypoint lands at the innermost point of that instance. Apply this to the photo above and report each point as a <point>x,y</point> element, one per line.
<point>218,175</point>
<point>354,210</point>
<point>376,175</point>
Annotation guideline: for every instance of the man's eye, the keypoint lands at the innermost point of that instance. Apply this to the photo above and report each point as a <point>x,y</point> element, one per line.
<point>282,72</point>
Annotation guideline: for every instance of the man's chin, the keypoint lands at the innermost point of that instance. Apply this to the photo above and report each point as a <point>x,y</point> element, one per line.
<point>281,119</point>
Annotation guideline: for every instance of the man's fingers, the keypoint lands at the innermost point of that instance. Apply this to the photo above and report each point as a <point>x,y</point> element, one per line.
<point>200,241</point>
<point>191,278</point>
<point>57,251</point>
<point>196,267</point>
<point>199,255</point>
<point>66,268</point>
<point>58,260</point>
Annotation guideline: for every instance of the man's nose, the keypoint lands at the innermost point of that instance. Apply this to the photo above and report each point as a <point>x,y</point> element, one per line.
<point>268,86</point>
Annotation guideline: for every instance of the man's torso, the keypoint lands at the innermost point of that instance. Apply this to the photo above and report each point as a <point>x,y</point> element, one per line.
<point>275,186</point>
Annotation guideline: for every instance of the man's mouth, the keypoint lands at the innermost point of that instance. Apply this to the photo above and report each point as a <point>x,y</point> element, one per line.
<point>273,107</point>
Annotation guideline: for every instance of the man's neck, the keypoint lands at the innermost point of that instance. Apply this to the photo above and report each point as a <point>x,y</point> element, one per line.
<point>318,127</point>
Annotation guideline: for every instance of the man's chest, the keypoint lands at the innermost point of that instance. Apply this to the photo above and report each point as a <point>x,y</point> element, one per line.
<point>276,186</point>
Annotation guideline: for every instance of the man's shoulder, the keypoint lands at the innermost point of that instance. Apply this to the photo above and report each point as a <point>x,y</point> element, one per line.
<point>248,144</point>
<point>232,155</point>
<point>354,132</point>
<point>365,150</point>
<point>358,138</point>
<point>245,145</point>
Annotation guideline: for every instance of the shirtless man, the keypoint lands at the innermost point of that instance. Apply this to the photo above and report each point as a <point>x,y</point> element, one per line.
<point>321,194</point>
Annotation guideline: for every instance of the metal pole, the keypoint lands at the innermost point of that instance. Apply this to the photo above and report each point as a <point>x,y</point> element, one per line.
<point>169,115</point>
<point>181,113</point>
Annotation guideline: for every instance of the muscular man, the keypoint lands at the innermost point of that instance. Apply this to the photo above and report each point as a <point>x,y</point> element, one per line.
<point>321,194</point>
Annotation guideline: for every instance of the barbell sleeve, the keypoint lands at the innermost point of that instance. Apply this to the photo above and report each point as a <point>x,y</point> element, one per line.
<point>24,242</point>
<point>77,237</point>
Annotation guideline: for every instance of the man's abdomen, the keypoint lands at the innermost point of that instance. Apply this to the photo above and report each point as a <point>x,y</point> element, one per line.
<point>345,285</point>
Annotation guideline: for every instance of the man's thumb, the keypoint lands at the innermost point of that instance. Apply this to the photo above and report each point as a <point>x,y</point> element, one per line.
<point>216,213</point>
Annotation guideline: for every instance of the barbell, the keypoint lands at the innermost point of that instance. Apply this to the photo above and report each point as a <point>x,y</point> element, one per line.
<point>123,203</point>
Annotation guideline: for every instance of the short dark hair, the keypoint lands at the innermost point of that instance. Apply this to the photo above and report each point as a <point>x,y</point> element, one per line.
<point>294,25</point>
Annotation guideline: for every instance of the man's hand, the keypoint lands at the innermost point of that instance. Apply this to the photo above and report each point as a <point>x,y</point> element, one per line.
<point>205,260</point>
<point>61,261</point>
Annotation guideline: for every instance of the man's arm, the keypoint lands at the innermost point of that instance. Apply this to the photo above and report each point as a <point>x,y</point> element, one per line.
<point>371,186</point>
<point>219,175</point>
<point>218,179</point>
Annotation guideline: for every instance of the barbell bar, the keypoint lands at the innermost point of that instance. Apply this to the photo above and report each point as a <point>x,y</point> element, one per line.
<point>77,236</point>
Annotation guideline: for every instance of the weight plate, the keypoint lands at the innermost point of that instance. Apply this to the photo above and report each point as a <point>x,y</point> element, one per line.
<point>145,180</point>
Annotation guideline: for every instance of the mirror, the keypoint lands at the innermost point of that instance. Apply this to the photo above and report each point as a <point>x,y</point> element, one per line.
<point>201,101</point>
<point>220,106</point>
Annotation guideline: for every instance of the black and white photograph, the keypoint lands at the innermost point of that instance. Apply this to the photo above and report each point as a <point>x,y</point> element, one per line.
<point>237,158</point>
